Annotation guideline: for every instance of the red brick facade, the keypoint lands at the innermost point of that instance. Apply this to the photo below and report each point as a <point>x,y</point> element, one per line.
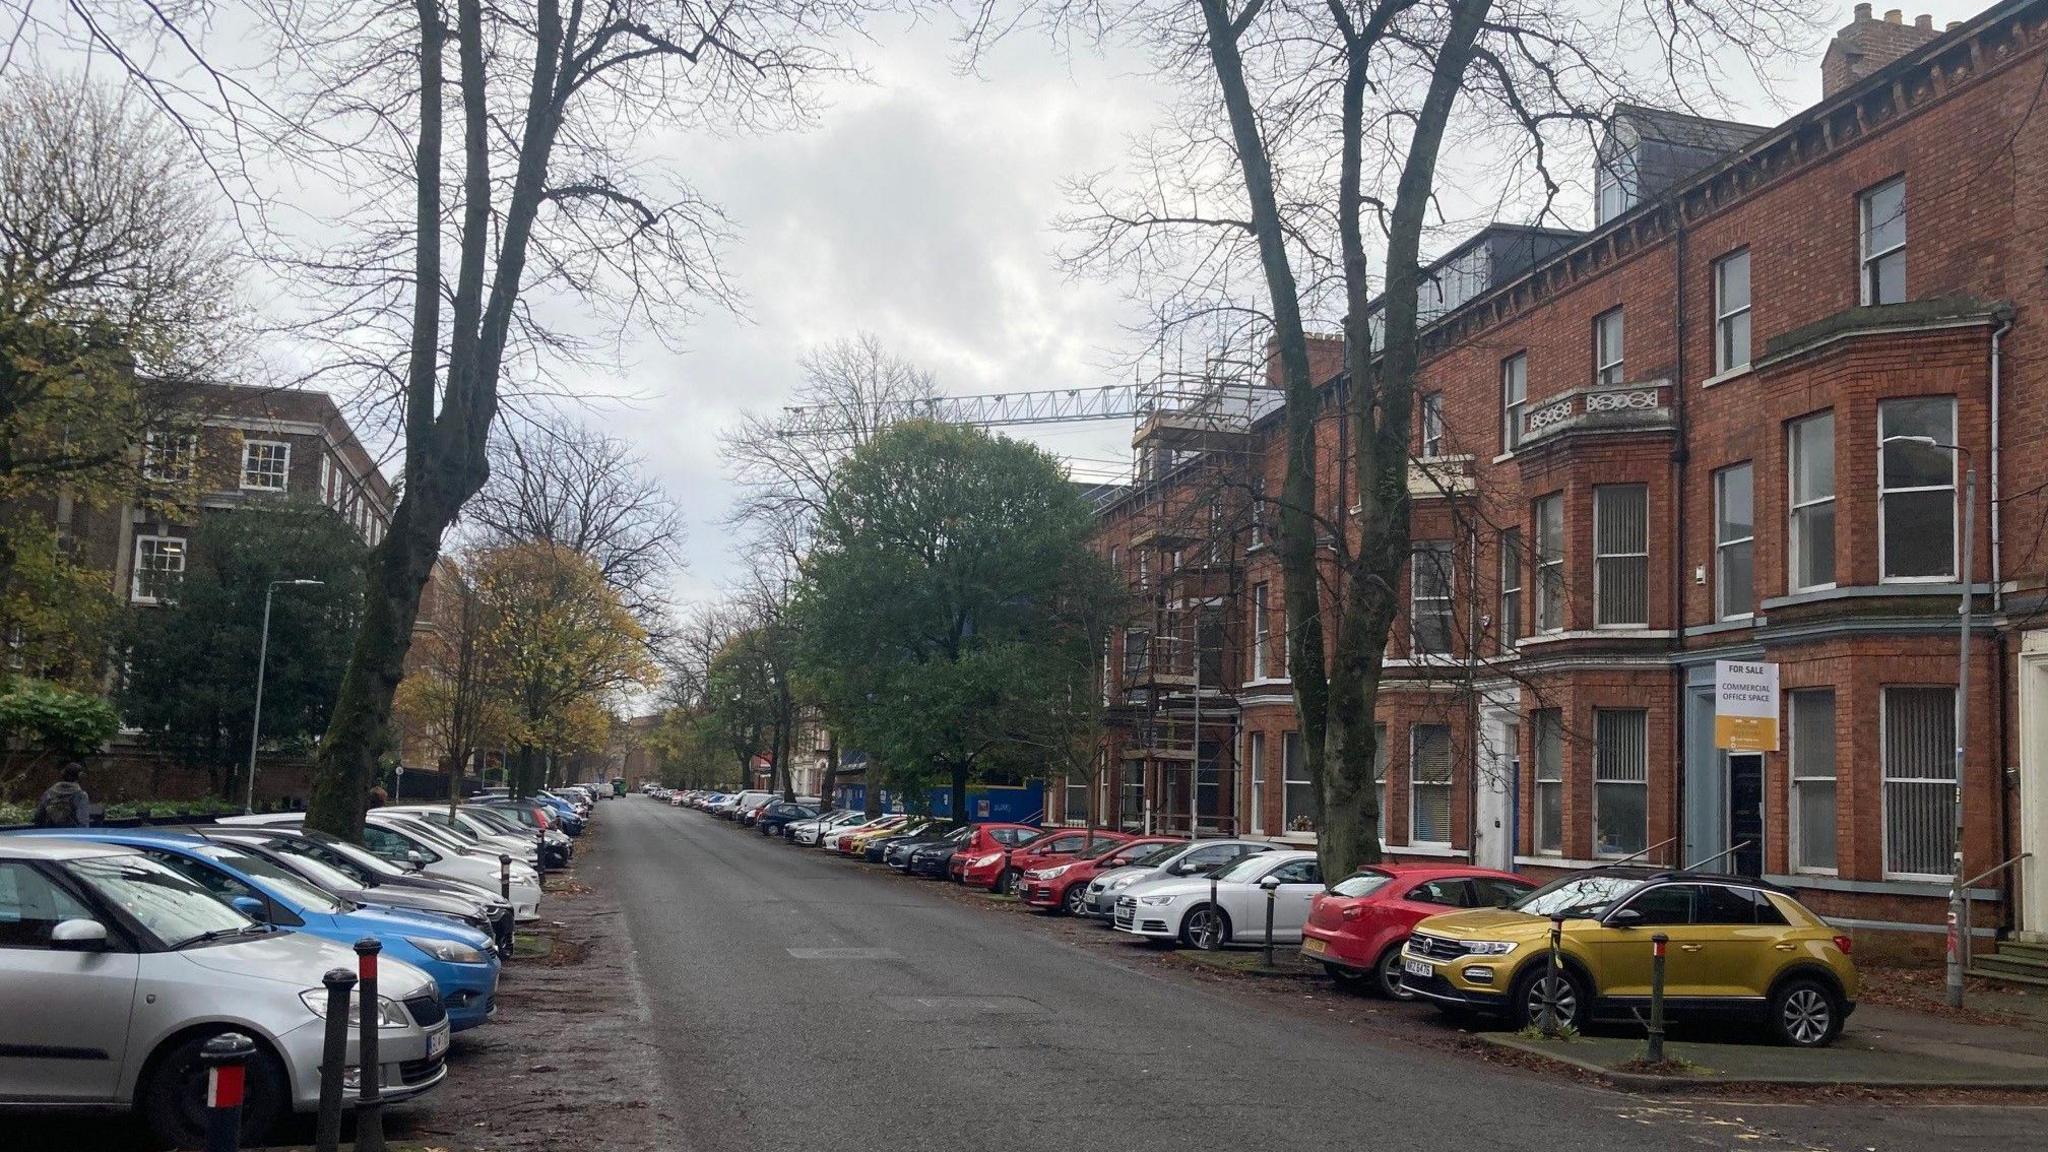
<point>1953,119</point>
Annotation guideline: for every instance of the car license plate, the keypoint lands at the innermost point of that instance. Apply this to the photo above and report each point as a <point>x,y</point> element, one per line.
<point>1417,967</point>
<point>1311,944</point>
<point>437,1043</point>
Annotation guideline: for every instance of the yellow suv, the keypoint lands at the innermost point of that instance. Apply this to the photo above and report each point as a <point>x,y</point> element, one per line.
<point>1738,947</point>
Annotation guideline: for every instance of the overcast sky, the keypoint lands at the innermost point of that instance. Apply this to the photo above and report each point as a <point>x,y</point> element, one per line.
<point>919,209</point>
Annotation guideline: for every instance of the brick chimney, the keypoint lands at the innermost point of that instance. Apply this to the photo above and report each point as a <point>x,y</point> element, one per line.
<point>1868,44</point>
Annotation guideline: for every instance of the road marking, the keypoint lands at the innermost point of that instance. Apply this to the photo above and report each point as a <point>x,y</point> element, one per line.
<point>964,1005</point>
<point>841,954</point>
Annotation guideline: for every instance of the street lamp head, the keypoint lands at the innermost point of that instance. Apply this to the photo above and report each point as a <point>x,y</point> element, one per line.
<point>1929,441</point>
<point>306,583</point>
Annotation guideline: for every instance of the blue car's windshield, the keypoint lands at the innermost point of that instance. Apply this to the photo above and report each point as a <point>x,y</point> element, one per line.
<point>281,881</point>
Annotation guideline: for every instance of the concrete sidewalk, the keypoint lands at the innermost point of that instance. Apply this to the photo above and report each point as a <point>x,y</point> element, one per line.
<point>1882,1047</point>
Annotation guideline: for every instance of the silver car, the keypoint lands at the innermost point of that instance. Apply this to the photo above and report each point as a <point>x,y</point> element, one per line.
<point>115,970</point>
<point>1192,860</point>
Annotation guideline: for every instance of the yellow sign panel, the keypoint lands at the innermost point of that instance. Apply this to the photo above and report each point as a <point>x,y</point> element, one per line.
<point>1745,706</point>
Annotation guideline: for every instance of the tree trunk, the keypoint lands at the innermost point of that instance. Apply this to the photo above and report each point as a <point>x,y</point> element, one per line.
<point>959,793</point>
<point>829,786</point>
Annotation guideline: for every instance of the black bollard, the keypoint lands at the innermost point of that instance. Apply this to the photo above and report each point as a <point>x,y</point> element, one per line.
<point>333,1059</point>
<point>1550,984</point>
<point>505,876</point>
<point>1655,1055</point>
<point>226,1059</point>
<point>369,1073</point>
<point>1272,888</point>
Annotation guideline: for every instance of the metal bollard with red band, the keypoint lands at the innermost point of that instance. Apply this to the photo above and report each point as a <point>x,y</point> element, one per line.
<point>226,1059</point>
<point>369,1073</point>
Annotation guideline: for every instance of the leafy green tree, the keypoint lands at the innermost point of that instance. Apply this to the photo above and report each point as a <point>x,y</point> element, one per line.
<point>191,678</point>
<point>944,614</point>
<point>741,699</point>
<point>40,721</point>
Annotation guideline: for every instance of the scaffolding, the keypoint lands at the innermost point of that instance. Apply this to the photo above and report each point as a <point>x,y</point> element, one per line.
<point>1191,503</point>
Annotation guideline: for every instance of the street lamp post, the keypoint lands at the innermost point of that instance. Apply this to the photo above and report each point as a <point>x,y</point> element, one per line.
<point>1957,945</point>
<point>262,657</point>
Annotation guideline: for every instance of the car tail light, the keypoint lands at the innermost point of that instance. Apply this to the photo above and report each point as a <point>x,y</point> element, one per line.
<point>1353,912</point>
<point>1842,944</point>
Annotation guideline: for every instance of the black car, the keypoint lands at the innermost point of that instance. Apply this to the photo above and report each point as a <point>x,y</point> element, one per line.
<point>931,859</point>
<point>898,851</point>
<point>877,850</point>
<point>781,814</point>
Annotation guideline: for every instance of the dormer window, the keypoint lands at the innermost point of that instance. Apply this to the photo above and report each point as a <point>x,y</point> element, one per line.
<point>1614,189</point>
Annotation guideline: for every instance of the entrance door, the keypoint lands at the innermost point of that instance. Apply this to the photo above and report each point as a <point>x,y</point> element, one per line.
<point>1745,814</point>
<point>1499,766</point>
<point>2033,871</point>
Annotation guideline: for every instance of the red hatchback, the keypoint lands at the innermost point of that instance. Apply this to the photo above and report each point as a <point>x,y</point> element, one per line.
<point>984,852</point>
<point>1056,847</point>
<point>1357,927</point>
<point>1062,887</point>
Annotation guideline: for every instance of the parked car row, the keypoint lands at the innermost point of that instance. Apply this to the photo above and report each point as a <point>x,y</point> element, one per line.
<point>122,951</point>
<point>1472,941</point>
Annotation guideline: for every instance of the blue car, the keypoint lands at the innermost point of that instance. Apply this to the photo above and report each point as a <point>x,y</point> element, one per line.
<point>462,961</point>
<point>564,812</point>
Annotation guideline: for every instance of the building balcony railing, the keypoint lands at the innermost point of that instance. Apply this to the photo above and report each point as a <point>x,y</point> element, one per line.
<point>1643,406</point>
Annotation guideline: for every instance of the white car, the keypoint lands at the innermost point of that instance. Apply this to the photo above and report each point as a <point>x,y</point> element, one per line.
<point>473,833</point>
<point>837,836</point>
<point>1180,907</point>
<point>811,832</point>
<point>115,970</point>
<point>422,847</point>
<point>1194,858</point>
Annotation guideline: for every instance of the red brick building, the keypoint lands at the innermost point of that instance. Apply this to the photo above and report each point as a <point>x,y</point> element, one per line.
<point>1716,427</point>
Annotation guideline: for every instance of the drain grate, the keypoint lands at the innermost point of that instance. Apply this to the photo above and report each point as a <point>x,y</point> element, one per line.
<point>841,954</point>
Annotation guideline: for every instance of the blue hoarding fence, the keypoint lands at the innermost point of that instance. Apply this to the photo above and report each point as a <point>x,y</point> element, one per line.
<point>986,803</point>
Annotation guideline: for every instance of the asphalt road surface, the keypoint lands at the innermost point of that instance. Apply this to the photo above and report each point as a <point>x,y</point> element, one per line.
<point>799,1002</point>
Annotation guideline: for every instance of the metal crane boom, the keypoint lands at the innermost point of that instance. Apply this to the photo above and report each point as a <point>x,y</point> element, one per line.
<point>1059,406</point>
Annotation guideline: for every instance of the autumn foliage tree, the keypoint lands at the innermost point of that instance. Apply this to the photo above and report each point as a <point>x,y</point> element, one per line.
<point>557,643</point>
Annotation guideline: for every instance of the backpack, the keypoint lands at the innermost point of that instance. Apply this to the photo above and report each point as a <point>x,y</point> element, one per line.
<point>56,811</point>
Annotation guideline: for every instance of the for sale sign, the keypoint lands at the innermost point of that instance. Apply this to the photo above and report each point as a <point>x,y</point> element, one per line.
<point>1745,706</point>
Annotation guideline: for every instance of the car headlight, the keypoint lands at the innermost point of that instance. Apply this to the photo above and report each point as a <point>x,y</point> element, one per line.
<point>1488,947</point>
<point>447,951</point>
<point>389,1014</point>
<point>1155,901</point>
<point>1052,873</point>
<point>987,860</point>
<point>1121,883</point>
<point>521,874</point>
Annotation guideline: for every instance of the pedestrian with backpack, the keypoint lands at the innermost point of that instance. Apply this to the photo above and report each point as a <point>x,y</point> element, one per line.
<point>65,804</point>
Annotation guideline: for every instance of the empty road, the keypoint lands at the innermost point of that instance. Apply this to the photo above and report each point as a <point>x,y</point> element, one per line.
<point>799,1002</point>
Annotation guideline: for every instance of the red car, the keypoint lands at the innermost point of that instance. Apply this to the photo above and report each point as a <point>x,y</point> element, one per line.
<point>1061,887</point>
<point>989,845</point>
<point>1055,847</point>
<point>1357,928</point>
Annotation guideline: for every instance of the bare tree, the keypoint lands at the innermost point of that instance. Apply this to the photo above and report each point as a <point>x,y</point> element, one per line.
<point>1334,120</point>
<point>590,493</point>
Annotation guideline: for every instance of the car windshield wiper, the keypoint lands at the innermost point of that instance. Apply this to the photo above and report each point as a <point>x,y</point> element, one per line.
<point>221,934</point>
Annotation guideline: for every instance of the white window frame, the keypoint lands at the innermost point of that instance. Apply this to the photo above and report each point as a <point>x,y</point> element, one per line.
<point>1869,260</point>
<point>1723,544</point>
<point>179,449</point>
<point>1797,513</point>
<point>1442,556</point>
<point>1798,775</point>
<point>1946,780</point>
<point>1416,732</point>
<point>1602,493</point>
<point>1432,425</point>
<point>1610,344</point>
<point>284,461</point>
<point>1262,629</point>
<point>136,568</point>
<point>1379,777</point>
<point>1067,788</point>
<point>1727,357</point>
<point>1514,399</point>
<point>1258,530</point>
<point>1642,781</point>
<point>1551,592</point>
<point>1511,564</point>
<point>1548,721</point>
<point>1290,745</point>
<point>1255,752</point>
<point>1885,491</point>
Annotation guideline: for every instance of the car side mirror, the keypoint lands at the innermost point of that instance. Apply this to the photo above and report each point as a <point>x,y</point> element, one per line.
<point>1625,918</point>
<point>79,936</point>
<point>251,907</point>
<point>415,859</point>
